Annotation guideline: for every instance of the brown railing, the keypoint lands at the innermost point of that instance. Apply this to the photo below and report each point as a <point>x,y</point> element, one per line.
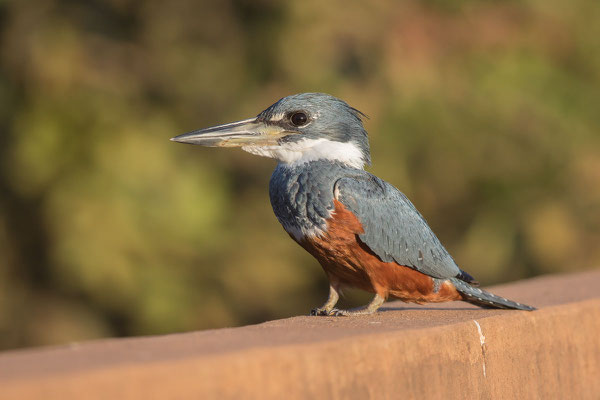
<point>449,351</point>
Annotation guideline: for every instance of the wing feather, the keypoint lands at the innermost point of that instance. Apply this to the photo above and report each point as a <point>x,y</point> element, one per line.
<point>394,229</point>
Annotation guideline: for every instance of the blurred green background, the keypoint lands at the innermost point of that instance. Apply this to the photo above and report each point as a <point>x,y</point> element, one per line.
<point>485,113</point>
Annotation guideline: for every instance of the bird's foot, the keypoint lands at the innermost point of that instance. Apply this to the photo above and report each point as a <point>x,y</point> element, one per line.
<point>321,311</point>
<point>355,311</point>
<point>370,308</point>
<point>336,312</point>
<point>326,308</point>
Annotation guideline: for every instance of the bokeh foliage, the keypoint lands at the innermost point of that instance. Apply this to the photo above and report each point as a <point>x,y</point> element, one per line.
<point>484,113</point>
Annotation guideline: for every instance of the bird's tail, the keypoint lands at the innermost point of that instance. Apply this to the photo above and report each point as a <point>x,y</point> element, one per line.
<point>482,298</point>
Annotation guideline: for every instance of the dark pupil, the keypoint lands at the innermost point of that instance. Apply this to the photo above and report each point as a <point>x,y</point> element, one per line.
<point>299,119</point>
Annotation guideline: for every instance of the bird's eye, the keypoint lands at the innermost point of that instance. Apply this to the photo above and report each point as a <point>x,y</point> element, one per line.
<point>299,119</point>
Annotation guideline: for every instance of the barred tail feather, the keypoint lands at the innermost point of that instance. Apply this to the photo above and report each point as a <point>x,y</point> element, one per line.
<point>486,299</point>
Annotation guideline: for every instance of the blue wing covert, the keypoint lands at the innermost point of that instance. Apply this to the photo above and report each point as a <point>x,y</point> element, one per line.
<point>394,229</point>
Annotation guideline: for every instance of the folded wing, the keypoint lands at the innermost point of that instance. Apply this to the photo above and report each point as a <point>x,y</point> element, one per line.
<point>393,228</point>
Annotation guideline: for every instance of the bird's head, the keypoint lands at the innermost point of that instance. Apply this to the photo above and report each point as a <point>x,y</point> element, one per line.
<point>296,129</point>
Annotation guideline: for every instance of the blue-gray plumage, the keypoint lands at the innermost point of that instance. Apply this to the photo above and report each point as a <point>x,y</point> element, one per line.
<point>394,229</point>
<point>363,231</point>
<point>302,197</point>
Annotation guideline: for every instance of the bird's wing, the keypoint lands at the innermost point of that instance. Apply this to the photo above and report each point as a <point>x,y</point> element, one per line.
<point>393,228</point>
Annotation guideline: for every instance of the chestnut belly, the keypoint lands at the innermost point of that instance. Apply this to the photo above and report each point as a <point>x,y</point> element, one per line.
<point>347,261</point>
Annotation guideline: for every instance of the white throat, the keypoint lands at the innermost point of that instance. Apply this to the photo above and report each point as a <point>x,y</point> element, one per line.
<point>303,151</point>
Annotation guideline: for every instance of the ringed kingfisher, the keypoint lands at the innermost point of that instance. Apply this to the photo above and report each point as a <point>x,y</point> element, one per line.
<point>363,231</point>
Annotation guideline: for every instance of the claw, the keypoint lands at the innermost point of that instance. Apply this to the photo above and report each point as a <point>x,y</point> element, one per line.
<point>339,313</point>
<point>334,312</point>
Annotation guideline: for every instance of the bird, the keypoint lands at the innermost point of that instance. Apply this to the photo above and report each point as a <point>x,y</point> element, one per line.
<point>364,232</point>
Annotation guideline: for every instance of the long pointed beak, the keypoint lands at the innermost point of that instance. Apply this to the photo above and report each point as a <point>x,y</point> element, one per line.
<point>236,134</point>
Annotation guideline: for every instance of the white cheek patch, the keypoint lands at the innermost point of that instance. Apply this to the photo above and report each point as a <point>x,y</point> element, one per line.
<point>296,153</point>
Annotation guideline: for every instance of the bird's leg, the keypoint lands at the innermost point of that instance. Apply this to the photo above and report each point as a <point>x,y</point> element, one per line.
<point>368,309</point>
<point>332,300</point>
